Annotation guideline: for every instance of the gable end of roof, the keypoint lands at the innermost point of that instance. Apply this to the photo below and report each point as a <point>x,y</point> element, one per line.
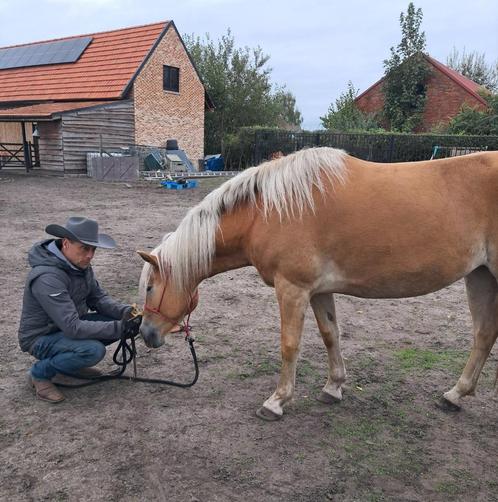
<point>463,82</point>
<point>209,101</point>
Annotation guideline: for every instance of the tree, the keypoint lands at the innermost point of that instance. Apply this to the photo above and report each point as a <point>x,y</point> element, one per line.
<point>406,73</point>
<point>288,116</point>
<point>473,65</point>
<point>345,116</point>
<point>238,81</point>
<point>477,122</point>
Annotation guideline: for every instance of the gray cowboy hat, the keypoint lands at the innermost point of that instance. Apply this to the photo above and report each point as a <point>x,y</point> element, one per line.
<point>81,229</point>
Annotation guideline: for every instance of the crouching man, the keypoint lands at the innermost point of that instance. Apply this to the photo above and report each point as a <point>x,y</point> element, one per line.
<point>56,326</point>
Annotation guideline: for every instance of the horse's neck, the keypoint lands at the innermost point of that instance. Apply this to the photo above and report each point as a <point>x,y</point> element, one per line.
<point>231,238</point>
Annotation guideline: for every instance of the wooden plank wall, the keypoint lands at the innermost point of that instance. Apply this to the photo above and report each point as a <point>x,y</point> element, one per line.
<point>50,145</point>
<point>10,132</point>
<point>81,133</point>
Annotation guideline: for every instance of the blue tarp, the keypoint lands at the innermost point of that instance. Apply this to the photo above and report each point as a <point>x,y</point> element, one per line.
<point>214,163</point>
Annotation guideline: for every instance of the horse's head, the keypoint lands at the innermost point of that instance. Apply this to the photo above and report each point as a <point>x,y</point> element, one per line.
<point>164,306</point>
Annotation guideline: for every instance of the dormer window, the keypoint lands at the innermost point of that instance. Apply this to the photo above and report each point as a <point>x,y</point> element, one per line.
<point>171,78</point>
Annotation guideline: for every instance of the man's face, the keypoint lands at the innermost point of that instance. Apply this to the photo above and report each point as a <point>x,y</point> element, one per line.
<point>77,253</point>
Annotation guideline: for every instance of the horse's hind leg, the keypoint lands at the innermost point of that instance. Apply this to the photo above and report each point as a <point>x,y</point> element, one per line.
<point>293,302</point>
<point>482,292</point>
<point>324,309</point>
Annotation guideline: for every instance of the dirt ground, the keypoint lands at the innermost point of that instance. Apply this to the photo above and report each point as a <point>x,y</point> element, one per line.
<point>129,441</point>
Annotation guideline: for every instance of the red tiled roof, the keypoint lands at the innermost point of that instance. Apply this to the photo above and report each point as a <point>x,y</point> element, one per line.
<point>469,85</point>
<point>102,72</point>
<point>46,111</point>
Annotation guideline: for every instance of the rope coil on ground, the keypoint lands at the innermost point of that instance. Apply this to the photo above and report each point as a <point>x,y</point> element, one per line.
<point>127,349</point>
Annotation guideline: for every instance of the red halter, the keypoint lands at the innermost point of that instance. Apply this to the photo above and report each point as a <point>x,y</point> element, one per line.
<point>156,311</point>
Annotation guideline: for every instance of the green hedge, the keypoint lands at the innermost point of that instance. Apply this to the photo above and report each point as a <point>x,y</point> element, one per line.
<point>251,146</point>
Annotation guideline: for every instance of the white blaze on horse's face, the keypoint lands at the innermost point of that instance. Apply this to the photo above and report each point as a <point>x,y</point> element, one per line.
<point>162,310</point>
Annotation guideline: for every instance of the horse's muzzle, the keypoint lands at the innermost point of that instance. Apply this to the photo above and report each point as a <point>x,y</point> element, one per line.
<point>151,336</point>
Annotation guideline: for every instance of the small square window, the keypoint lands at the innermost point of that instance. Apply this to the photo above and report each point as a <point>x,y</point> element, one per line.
<point>171,78</point>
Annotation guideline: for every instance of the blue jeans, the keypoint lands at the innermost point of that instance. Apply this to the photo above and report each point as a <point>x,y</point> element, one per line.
<point>57,353</point>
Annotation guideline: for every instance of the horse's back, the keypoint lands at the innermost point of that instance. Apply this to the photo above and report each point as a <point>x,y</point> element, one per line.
<point>389,230</point>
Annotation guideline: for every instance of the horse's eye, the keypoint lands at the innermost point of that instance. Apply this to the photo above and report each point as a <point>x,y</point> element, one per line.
<point>149,288</point>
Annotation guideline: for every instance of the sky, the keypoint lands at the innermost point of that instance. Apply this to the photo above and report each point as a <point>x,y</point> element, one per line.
<point>315,46</point>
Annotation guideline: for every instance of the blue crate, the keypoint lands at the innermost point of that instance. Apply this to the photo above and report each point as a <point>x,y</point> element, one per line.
<point>174,185</point>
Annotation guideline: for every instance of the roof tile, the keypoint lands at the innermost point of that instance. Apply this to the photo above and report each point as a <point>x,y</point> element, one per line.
<point>102,72</point>
<point>46,110</point>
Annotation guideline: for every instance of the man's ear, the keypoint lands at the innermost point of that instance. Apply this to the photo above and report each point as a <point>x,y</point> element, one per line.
<point>149,258</point>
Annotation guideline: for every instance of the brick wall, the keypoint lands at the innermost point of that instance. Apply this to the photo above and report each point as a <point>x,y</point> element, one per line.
<point>162,115</point>
<point>444,100</point>
<point>372,101</point>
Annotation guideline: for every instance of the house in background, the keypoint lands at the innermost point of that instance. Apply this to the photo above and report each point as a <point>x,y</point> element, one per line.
<point>447,92</point>
<point>133,86</point>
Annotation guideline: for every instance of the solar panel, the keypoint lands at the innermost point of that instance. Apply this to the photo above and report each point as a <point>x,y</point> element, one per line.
<point>60,51</point>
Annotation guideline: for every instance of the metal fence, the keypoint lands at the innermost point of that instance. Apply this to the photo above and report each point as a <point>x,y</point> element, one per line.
<point>373,147</point>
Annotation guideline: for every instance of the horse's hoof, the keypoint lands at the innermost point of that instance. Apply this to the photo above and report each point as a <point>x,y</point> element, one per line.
<point>326,398</point>
<point>268,415</point>
<point>445,405</point>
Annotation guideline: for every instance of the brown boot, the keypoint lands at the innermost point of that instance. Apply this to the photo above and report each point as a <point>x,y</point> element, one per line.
<point>46,390</point>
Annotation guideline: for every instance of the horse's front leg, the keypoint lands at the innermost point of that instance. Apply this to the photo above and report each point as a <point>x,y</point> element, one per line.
<point>293,302</point>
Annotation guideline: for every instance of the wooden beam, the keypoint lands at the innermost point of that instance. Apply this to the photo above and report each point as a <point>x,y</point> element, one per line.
<point>27,150</point>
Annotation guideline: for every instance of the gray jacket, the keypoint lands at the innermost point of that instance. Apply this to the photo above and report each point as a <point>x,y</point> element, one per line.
<point>57,294</point>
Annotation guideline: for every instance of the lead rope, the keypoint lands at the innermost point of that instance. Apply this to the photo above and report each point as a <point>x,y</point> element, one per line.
<point>128,352</point>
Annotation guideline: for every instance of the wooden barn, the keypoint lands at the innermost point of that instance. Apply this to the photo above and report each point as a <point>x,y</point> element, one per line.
<point>447,92</point>
<point>61,99</point>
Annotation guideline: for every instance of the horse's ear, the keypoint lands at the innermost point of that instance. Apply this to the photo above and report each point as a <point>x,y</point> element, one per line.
<point>149,258</point>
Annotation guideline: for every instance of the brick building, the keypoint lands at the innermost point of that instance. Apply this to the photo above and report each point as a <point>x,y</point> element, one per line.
<point>114,89</point>
<point>447,91</point>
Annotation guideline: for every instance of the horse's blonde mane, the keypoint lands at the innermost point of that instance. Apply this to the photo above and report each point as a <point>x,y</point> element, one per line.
<point>284,185</point>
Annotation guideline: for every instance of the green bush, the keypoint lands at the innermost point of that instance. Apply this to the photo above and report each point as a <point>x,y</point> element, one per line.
<point>479,122</point>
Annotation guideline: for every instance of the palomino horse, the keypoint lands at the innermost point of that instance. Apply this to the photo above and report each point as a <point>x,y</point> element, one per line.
<point>320,222</point>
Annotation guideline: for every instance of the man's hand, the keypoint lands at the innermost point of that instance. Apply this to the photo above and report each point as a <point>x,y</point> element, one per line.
<point>131,327</point>
<point>130,324</point>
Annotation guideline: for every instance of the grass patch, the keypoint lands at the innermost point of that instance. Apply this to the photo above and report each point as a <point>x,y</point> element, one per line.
<point>448,488</point>
<point>387,443</point>
<point>251,369</point>
<point>493,486</point>
<point>305,369</point>
<point>423,359</point>
<point>365,362</point>
<point>360,430</point>
<point>58,496</point>
<point>375,496</point>
<point>267,366</point>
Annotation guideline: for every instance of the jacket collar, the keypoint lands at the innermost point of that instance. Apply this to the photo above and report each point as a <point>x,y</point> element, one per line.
<point>54,249</point>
